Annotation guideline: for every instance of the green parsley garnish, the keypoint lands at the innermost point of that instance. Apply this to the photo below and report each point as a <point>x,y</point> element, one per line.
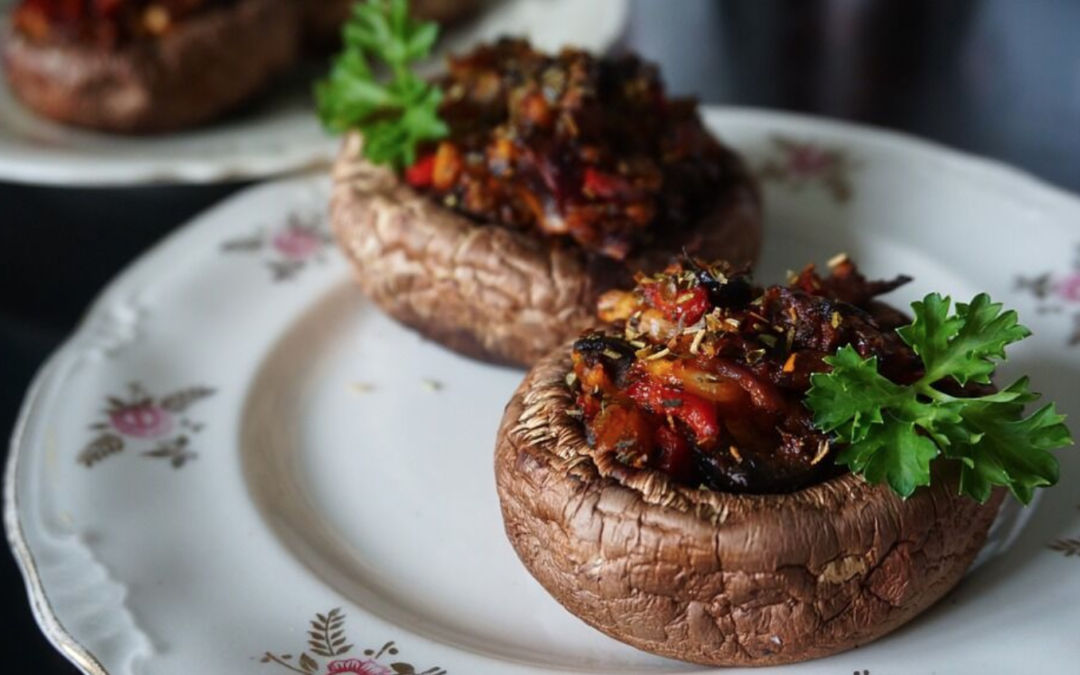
<point>394,112</point>
<point>894,432</point>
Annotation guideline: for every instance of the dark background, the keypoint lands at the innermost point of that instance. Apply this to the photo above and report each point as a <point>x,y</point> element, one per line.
<point>997,77</point>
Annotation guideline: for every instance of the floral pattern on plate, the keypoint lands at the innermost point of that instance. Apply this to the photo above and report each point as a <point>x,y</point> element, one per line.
<point>287,250</point>
<point>801,164</point>
<point>327,639</point>
<point>1057,292</point>
<point>158,424</point>
<point>1067,547</point>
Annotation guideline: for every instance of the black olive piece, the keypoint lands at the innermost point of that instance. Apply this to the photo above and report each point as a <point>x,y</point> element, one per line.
<point>755,475</point>
<point>736,291</point>
<point>613,352</point>
<point>719,471</point>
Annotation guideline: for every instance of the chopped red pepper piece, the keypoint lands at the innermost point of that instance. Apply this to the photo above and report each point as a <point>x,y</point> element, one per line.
<point>695,412</point>
<point>422,172</point>
<point>675,458</point>
<point>604,185</point>
<point>689,305</point>
<point>590,406</point>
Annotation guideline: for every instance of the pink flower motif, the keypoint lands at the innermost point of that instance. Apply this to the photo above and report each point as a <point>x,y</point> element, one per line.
<point>142,421</point>
<point>297,243</point>
<point>807,160</point>
<point>358,667</point>
<point>1068,289</point>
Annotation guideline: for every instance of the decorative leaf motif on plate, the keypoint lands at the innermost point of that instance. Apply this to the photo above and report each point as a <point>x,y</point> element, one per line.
<point>327,649</point>
<point>326,637</point>
<point>175,450</point>
<point>799,164</point>
<point>100,448</point>
<point>289,249</point>
<point>160,426</point>
<point>1068,547</point>
<point>179,401</point>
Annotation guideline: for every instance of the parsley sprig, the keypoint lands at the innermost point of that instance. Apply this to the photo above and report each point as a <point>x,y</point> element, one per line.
<point>396,111</point>
<point>894,432</point>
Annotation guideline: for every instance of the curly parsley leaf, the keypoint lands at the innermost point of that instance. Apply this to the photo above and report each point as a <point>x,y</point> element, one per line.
<point>892,452</point>
<point>394,112</point>
<point>963,345</point>
<point>992,459</point>
<point>893,433</point>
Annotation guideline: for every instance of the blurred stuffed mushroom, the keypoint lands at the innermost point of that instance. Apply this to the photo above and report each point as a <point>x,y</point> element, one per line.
<point>146,66</point>
<point>489,209</point>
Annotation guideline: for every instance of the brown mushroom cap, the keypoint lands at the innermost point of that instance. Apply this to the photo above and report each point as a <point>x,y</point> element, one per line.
<point>714,578</point>
<point>490,292</point>
<point>208,65</point>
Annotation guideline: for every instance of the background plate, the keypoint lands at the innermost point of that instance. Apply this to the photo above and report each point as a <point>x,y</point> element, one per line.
<point>289,460</point>
<point>276,134</point>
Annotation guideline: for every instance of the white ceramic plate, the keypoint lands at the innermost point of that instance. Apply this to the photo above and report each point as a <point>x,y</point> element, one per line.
<point>277,135</point>
<point>272,451</point>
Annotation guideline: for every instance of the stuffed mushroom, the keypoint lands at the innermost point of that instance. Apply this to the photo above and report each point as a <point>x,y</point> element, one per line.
<point>670,482</point>
<point>557,177</point>
<point>146,66</point>
<point>323,19</point>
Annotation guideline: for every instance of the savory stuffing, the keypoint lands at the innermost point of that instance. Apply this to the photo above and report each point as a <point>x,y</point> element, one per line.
<point>705,378</point>
<point>103,23</point>
<point>570,145</point>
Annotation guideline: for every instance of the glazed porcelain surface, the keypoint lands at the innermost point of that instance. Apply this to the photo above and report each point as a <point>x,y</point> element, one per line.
<point>238,465</point>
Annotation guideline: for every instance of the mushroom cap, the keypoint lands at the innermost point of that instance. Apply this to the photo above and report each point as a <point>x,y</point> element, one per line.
<point>714,578</point>
<point>208,65</point>
<point>490,292</point>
